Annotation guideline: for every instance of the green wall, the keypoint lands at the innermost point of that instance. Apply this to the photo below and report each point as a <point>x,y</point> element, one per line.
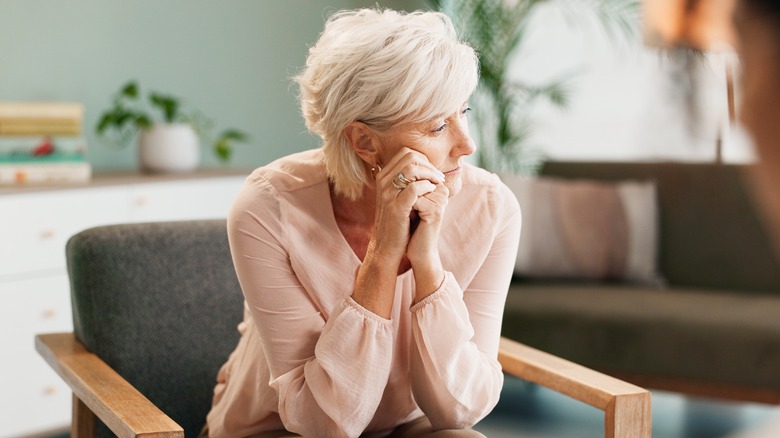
<point>231,59</point>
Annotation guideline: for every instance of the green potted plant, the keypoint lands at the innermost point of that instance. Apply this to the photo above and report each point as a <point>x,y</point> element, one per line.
<point>168,143</point>
<point>496,28</point>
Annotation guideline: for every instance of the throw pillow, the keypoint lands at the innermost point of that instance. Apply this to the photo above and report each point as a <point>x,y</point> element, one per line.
<point>586,229</point>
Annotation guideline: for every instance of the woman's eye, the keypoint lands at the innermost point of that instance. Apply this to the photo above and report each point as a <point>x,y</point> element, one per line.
<point>444,126</point>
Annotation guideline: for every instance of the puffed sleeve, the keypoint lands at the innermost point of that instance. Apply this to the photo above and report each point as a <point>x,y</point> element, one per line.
<point>456,377</point>
<point>329,375</point>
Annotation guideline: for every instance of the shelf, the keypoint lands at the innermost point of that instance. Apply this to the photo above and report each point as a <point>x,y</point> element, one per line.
<point>112,178</point>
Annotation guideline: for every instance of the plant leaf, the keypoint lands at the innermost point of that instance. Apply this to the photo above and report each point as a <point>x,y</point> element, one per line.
<point>142,121</point>
<point>130,90</point>
<point>107,119</point>
<point>496,29</point>
<point>223,150</point>
<point>616,17</point>
<point>557,92</point>
<point>169,106</point>
<point>235,135</point>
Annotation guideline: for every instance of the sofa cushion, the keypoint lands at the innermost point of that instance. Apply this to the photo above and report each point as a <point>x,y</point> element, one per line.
<point>586,229</point>
<point>710,236</point>
<point>731,338</point>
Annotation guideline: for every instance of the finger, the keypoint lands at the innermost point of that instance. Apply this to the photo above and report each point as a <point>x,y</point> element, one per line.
<point>405,155</point>
<point>416,171</point>
<point>413,165</point>
<point>434,202</point>
<point>431,202</point>
<point>416,190</point>
<point>441,195</point>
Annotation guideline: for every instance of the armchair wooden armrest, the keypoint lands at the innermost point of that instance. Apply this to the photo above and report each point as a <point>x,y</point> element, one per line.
<point>627,408</point>
<point>99,392</point>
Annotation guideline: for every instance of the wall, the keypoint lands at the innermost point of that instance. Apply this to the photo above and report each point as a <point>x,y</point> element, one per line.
<point>233,59</point>
<point>628,100</point>
<point>230,59</point>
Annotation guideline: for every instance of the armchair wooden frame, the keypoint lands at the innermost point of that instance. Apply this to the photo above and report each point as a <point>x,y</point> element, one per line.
<point>99,392</point>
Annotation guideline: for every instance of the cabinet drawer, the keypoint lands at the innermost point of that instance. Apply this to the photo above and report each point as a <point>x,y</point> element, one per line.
<point>184,200</point>
<point>35,227</point>
<point>34,397</point>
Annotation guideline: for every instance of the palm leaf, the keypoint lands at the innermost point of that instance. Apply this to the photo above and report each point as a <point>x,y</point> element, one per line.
<point>496,29</point>
<point>619,19</point>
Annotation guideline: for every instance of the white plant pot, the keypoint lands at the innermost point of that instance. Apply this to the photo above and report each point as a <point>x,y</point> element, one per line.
<point>167,148</point>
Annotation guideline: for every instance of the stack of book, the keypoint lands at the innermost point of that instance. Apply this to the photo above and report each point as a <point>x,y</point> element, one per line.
<point>42,142</point>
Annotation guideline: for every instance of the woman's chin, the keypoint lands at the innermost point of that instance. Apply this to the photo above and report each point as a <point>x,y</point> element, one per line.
<point>454,185</point>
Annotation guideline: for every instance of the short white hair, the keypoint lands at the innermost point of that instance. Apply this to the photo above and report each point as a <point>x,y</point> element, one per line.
<point>383,68</point>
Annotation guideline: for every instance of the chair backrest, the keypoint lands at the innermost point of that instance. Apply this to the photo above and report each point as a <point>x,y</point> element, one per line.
<point>158,302</point>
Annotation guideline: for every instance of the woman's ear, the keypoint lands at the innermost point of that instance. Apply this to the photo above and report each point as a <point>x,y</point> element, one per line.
<point>364,141</point>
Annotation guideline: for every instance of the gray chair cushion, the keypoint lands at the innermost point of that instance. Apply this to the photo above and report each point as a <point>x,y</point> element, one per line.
<point>158,302</point>
<point>684,333</point>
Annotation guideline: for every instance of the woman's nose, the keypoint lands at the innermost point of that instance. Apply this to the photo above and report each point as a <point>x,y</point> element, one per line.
<point>463,144</point>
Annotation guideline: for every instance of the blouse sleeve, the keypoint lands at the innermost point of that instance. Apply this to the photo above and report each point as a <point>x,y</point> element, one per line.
<point>329,375</point>
<point>456,377</point>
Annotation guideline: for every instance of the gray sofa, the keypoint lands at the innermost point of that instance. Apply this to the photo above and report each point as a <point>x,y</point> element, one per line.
<point>713,329</point>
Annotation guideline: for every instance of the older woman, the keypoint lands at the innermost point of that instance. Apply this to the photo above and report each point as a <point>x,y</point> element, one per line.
<point>375,268</point>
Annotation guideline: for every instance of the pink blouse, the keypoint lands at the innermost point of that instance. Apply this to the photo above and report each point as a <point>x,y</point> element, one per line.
<point>313,361</point>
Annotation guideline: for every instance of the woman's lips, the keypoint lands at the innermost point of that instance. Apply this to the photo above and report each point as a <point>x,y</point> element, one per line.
<point>453,171</point>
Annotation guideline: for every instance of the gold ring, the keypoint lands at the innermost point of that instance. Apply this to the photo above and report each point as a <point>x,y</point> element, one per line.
<point>402,178</point>
<point>401,181</point>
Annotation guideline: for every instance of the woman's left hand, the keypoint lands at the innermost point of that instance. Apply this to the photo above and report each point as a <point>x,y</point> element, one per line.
<point>423,248</point>
<point>422,204</point>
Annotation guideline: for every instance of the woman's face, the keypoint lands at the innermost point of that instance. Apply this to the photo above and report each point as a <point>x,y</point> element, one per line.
<point>445,142</point>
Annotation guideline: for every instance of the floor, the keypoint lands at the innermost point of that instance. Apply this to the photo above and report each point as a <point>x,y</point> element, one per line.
<point>528,411</point>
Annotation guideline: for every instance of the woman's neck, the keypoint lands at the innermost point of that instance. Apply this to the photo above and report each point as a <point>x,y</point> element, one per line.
<point>355,212</point>
<point>355,219</point>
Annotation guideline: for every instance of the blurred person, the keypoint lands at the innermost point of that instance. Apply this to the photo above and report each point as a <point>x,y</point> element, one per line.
<point>757,23</point>
<point>375,268</point>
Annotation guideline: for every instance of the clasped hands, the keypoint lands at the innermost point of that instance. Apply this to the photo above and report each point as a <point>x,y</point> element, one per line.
<point>409,216</point>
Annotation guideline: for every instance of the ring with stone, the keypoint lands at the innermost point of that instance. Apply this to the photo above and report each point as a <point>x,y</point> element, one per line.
<point>401,181</point>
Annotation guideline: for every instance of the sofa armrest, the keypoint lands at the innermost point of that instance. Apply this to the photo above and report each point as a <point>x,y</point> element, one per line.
<point>104,392</point>
<point>627,408</point>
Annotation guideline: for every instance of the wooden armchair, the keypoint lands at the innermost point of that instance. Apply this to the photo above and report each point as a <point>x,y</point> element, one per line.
<point>147,343</point>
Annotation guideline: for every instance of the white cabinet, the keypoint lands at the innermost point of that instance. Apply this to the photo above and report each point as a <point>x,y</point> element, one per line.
<point>34,227</point>
<point>35,224</point>
<point>34,397</point>
<point>204,199</point>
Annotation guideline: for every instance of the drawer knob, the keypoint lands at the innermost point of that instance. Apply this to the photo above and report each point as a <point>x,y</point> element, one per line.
<point>50,390</point>
<point>48,234</point>
<point>141,201</point>
<point>49,313</point>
